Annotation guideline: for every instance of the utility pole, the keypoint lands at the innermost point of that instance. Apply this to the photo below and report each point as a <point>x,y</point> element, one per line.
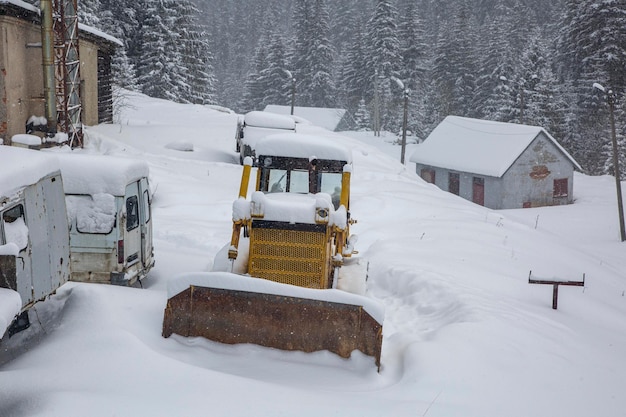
<point>293,89</point>
<point>405,93</point>
<point>610,98</point>
<point>376,106</point>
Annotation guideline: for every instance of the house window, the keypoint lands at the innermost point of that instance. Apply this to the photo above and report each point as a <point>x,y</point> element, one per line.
<point>560,188</point>
<point>453,183</point>
<point>428,175</point>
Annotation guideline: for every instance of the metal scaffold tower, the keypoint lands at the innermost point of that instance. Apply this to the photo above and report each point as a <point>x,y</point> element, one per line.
<point>67,70</point>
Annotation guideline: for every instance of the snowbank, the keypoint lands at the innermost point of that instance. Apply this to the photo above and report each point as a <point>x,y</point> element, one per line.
<point>227,281</point>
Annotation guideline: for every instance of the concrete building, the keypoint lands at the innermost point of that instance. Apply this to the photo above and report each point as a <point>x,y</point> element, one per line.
<point>497,165</point>
<point>21,70</point>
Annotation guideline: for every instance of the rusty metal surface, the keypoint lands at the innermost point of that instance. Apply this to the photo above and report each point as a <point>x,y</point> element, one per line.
<point>8,272</point>
<point>287,323</point>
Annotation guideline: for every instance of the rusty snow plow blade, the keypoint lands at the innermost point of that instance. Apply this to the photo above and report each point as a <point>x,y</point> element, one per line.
<point>231,309</point>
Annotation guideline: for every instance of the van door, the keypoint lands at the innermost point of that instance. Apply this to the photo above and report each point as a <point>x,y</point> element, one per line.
<point>132,230</point>
<point>145,216</point>
<point>13,229</point>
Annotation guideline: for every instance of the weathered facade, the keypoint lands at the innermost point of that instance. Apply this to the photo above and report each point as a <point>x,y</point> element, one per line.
<point>498,165</point>
<point>21,70</point>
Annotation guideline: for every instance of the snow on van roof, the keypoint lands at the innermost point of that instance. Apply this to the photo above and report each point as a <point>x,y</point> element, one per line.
<point>297,145</point>
<point>270,120</point>
<point>479,146</point>
<point>22,167</point>
<point>95,174</point>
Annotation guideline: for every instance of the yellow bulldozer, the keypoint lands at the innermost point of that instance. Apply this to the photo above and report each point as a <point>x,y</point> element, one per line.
<point>288,278</point>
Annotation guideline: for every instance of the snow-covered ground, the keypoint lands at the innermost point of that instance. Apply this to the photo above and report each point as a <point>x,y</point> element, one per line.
<point>464,332</point>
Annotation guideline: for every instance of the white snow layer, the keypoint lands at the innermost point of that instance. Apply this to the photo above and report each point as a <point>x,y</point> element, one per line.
<point>10,306</point>
<point>269,120</point>
<point>98,174</point>
<point>21,167</point>
<point>92,214</point>
<point>303,146</point>
<point>464,333</point>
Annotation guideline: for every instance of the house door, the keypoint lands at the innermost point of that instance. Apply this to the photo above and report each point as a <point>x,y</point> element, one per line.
<point>478,191</point>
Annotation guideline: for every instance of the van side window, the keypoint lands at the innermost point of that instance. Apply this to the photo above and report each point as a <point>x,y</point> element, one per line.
<point>15,229</point>
<point>132,213</point>
<point>146,205</point>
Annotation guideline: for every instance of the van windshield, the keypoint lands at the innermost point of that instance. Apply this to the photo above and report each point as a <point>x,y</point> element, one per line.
<point>92,214</point>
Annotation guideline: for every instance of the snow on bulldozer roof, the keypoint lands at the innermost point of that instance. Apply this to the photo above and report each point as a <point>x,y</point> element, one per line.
<point>94,174</point>
<point>269,120</point>
<point>22,167</point>
<point>296,145</point>
<point>230,281</point>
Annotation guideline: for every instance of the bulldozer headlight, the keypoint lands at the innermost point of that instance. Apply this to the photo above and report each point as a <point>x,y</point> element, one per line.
<point>321,215</point>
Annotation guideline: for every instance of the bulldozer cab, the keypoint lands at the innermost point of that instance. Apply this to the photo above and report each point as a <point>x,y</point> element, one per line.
<point>301,175</point>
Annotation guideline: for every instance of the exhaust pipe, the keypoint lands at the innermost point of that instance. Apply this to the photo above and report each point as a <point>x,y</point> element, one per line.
<point>47,47</point>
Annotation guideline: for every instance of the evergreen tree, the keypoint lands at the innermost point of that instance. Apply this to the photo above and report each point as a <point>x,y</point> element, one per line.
<point>198,85</point>
<point>322,85</point>
<point>89,13</point>
<point>354,75</point>
<point>454,69</point>
<point>384,59</point>
<point>274,79</point>
<point>362,119</point>
<point>159,71</point>
<point>594,50</point>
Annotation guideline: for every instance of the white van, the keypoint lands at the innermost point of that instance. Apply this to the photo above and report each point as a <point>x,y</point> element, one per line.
<point>109,209</point>
<point>34,240</point>
<point>257,125</point>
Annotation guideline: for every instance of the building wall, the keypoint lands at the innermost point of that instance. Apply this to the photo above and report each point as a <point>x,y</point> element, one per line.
<point>21,72</point>
<point>21,77</point>
<point>530,180</point>
<point>89,81</point>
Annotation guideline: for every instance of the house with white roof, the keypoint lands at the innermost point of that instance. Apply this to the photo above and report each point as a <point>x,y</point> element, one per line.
<point>497,165</point>
<point>328,118</point>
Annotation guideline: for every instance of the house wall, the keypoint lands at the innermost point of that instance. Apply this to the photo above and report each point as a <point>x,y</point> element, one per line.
<point>21,75</point>
<point>531,178</point>
<point>492,185</point>
<point>88,53</point>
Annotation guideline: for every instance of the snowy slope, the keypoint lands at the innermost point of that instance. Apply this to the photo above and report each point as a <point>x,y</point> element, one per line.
<point>464,332</point>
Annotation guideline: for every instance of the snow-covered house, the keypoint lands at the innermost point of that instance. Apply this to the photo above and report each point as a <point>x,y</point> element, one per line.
<point>22,76</point>
<point>328,118</point>
<point>498,165</point>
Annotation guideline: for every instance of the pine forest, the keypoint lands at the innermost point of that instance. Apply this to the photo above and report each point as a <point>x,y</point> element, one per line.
<point>521,61</point>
